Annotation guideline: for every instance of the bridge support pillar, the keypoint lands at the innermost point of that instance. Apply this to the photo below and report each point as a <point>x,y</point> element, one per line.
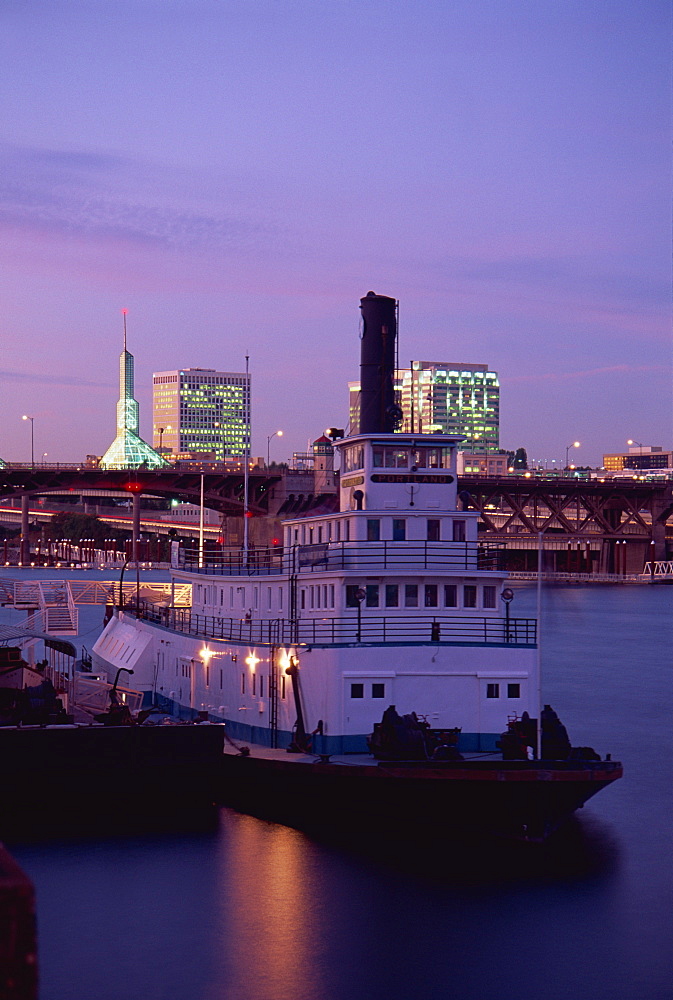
<point>24,554</point>
<point>661,508</point>
<point>136,527</point>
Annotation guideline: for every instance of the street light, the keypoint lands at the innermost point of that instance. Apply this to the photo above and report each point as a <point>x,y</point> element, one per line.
<point>575,444</point>
<point>161,430</point>
<point>268,445</point>
<point>44,455</point>
<point>32,437</point>
<point>638,444</point>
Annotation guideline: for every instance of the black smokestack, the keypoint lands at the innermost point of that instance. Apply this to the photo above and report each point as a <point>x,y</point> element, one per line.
<point>379,414</point>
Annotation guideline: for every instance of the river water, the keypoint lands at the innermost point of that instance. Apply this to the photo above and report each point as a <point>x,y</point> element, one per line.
<point>258,911</point>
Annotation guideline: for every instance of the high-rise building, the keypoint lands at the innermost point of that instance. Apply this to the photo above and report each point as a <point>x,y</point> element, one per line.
<point>445,397</point>
<point>200,411</point>
<point>128,450</point>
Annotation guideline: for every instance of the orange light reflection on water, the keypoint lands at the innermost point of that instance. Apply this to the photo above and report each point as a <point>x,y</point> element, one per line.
<point>271,912</point>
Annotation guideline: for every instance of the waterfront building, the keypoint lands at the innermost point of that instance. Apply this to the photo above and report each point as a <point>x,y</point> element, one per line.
<point>128,450</point>
<point>200,412</point>
<point>481,464</point>
<point>445,397</point>
<point>641,457</point>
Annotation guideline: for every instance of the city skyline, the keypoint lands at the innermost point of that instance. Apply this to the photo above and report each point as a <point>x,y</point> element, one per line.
<point>239,174</point>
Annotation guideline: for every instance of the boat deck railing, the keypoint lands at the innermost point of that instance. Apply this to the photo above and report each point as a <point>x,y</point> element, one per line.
<point>367,557</point>
<point>480,630</point>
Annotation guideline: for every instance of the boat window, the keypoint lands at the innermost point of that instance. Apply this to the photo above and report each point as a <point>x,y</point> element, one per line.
<point>411,595</point>
<point>459,531</point>
<point>303,598</point>
<point>268,599</point>
<point>254,683</point>
<point>450,595</point>
<point>469,596</point>
<point>392,595</point>
<point>513,690</point>
<point>243,683</point>
<point>431,600</point>
<point>377,457</point>
<point>399,529</point>
<point>310,535</point>
<point>331,595</point>
<point>347,531</point>
<point>324,596</point>
<point>433,529</point>
<point>319,534</point>
<point>492,690</point>
<point>282,686</point>
<point>280,598</point>
<point>261,685</point>
<point>396,458</point>
<point>378,690</point>
<point>489,597</point>
<point>352,595</point>
<point>372,591</point>
<point>353,458</point>
<point>337,531</point>
<point>357,690</point>
<point>373,529</point>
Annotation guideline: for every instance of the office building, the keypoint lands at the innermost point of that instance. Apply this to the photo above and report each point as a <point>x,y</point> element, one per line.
<point>642,458</point>
<point>200,412</point>
<point>438,396</point>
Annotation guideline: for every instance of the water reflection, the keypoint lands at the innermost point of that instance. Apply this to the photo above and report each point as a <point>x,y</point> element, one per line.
<point>583,849</point>
<point>267,898</point>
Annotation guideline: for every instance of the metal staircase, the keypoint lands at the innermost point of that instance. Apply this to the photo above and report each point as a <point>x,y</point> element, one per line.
<point>51,601</point>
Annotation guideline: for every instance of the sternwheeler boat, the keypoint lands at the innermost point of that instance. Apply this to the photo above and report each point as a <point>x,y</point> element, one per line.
<point>370,664</point>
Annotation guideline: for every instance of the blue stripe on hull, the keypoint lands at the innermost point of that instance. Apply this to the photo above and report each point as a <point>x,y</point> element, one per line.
<point>357,743</point>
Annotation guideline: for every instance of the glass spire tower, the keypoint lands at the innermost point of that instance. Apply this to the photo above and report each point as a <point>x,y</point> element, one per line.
<point>128,450</point>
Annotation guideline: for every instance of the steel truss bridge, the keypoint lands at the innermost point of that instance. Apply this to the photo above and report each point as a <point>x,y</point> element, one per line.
<point>593,514</point>
<point>223,491</point>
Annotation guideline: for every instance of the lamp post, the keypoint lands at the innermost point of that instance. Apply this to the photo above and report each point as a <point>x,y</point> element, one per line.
<point>268,445</point>
<point>575,444</point>
<point>32,437</point>
<point>44,455</point>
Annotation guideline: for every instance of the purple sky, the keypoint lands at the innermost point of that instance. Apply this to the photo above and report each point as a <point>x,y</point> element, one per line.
<point>238,173</point>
